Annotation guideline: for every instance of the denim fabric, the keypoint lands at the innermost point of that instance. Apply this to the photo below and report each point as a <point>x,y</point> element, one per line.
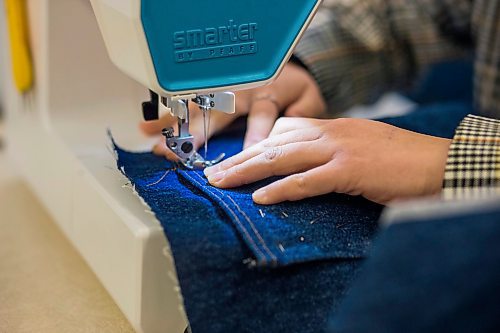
<point>326,227</point>
<point>444,92</point>
<point>214,255</point>
<point>439,275</point>
<point>221,292</point>
<point>450,81</point>
<point>439,119</point>
<point>330,226</point>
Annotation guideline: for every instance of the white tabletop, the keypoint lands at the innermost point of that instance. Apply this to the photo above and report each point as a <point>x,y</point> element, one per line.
<point>45,286</point>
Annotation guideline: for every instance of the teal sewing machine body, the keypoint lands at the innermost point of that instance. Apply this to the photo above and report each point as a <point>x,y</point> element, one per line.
<point>190,46</point>
<point>199,45</point>
<point>200,51</point>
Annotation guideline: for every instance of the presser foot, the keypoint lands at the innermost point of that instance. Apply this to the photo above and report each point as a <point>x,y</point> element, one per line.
<point>182,143</point>
<point>187,156</point>
<point>197,162</point>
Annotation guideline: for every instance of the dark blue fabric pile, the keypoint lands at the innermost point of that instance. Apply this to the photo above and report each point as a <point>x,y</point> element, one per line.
<point>226,251</point>
<point>249,268</point>
<point>435,119</point>
<point>429,275</point>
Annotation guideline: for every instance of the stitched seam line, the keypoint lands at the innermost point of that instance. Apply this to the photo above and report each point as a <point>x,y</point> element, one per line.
<point>254,229</point>
<point>273,257</point>
<point>245,231</point>
<point>345,253</point>
<point>252,225</point>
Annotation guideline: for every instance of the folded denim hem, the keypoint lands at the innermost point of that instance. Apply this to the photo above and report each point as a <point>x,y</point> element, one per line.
<point>267,246</point>
<point>264,255</point>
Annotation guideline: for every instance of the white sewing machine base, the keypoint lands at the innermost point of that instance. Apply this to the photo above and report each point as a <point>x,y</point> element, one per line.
<point>57,137</point>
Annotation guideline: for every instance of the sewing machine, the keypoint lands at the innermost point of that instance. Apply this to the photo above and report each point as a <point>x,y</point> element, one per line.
<point>185,57</point>
<point>184,51</point>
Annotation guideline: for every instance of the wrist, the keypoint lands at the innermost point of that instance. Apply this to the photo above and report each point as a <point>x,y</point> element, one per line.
<point>439,150</point>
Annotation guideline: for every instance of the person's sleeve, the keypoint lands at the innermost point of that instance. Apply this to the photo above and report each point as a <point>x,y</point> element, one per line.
<point>357,50</point>
<point>486,28</point>
<point>473,165</point>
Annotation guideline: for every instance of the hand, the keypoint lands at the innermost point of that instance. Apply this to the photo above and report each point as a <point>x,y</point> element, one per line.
<point>294,92</point>
<point>353,156</point>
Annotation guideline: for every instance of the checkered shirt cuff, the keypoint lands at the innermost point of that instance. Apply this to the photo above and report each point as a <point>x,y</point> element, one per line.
<point>473,166</point>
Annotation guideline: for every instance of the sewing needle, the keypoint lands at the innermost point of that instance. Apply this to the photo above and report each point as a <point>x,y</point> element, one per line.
<point>206,125</point>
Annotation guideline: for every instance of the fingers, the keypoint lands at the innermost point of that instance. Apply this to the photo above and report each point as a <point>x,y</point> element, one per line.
<point>275,161</point>
<point>310,104</point>
<point>280,140</point>
<point>261,118</point>
<point>317,181</point>
<point>284,125</point>
<point>243,100</point>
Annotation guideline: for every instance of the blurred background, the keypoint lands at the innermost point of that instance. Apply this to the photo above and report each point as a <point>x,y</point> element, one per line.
<point>45,285</point>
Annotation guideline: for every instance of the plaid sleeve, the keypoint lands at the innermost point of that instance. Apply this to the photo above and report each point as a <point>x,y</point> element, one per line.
<point>357,50</point>
<point>486,29</point>
<point>473,166</point>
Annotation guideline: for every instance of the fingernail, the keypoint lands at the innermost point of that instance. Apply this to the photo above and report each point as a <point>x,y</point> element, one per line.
<point>260,196</point>
<point>210,170</point>
<point>217,177</point>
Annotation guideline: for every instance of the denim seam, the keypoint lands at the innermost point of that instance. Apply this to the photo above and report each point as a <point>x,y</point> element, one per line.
<point>274,260</point>
<point>238,221</point>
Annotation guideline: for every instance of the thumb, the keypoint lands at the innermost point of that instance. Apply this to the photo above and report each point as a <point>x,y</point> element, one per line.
<point>261,119</point>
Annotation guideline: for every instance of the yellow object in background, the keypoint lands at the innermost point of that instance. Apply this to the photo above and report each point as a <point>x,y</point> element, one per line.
<point>17,21</point>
